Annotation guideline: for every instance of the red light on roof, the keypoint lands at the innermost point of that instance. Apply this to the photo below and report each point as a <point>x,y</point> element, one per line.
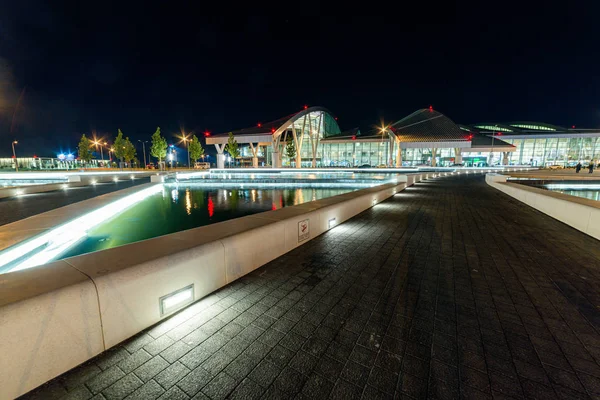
<point>573,127</point>
<point>272,130</point>
<point>353,137</point>
<point>336,118</point>
<point>305,106</point>
<point>259,124</point>
<point>206,133</point>
<point>34,156</point>
<point>430,108</point>
<point>499,133</point>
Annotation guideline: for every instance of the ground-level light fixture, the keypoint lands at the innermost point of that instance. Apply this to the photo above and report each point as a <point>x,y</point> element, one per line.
<point>331,223</point>
<point>176,300</point>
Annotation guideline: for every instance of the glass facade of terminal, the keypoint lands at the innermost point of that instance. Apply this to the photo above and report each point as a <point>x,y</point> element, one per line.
<point>543,151</point>
<point>539,152</point>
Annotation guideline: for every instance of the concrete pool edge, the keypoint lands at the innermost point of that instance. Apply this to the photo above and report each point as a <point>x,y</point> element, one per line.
<point>577,212</point>
<point>57,316</point>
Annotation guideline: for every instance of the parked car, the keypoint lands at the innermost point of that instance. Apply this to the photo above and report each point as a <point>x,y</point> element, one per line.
<point>365,166</point>
<point>150,166</point>
<point>555,167</point>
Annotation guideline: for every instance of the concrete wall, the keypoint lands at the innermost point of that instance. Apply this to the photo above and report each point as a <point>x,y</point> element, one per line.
<point>582,214</point>
<point>54,317</point>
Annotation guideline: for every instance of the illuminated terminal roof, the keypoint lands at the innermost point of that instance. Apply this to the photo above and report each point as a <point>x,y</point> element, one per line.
<point>316,118</point>
<point>427,125</point>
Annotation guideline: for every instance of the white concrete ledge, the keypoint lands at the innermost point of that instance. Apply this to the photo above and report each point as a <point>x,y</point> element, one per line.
<point>54,317</point>
<point>582,214</point>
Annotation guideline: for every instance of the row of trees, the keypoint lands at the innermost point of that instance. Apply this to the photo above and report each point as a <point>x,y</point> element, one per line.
<point>125,151</point>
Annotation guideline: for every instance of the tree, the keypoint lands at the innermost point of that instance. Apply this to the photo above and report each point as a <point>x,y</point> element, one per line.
<point>232,147</point>
<point>159,146</point>
<point>84,150</point>
<point>290,150</point>
<point>130,151</point>
<point>119,146</point>
<point>195,148</point>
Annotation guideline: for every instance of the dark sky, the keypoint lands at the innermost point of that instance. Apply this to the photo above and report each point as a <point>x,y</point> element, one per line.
<point>73,68</point>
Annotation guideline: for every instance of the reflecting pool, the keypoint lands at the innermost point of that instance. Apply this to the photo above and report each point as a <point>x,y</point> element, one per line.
<point>177,208</point>
<point>155,211</point>
<point>586,189</point>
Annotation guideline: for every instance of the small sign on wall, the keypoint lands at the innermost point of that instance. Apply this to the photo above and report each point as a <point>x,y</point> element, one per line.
<point>303,230</point>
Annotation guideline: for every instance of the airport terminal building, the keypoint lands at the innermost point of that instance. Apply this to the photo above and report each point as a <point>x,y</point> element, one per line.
<point>312,138</point>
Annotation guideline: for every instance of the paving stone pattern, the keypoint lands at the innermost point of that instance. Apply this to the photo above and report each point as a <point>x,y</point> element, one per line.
<point>448,290</point>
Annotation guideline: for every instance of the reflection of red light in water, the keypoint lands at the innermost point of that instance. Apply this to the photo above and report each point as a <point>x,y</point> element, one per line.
<point>211,207</point>
<point>273,207</point>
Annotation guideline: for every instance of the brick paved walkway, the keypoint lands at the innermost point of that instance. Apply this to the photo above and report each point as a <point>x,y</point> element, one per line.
<point>449,290</point>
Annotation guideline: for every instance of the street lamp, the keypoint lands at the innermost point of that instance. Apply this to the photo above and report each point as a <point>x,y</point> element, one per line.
<point>101,153</point>
<point>185,141</point>
<point>15,155</point>
<point>144,150</point>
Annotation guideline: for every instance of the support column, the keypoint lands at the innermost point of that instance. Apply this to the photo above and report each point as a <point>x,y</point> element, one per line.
<point>457,156</point>
<point>505,157</point>
<point>276,155</point>
<point>220,155</point>
<point>390,154</point>
<point>398,154</point>
<point>298,141</point>
<point>433,155</point>
<point>254,151</point>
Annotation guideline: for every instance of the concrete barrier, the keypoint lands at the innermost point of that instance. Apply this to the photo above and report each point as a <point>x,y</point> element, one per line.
<point>582,214</point>
<point>45,329</point>
<point>76,308</point>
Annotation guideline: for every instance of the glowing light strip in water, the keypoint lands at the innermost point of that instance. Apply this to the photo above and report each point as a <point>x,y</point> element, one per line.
<point>59,239</point>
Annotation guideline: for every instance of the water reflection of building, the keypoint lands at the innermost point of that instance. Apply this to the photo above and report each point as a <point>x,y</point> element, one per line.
<point>272,198</point>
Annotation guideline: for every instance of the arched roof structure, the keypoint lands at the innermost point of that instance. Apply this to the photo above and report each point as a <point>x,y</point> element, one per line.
<point>266,133</point>
<point>428,128</point>
<point>427,125</point>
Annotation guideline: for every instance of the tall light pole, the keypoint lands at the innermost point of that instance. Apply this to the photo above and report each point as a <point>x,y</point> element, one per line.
<point>185,141</point>
<point>101,153</point>
<point>15,156</point>
<point>144,150</point>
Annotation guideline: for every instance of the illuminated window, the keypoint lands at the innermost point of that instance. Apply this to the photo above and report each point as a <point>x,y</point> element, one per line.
<point>533,127</point>
<point>493,128</point>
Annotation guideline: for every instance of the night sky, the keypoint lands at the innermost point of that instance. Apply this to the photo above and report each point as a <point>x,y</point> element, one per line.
<point>69,69</point>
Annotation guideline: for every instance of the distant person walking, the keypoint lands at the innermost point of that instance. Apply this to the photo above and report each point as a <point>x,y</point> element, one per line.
<point>591,167</point>
<point>578,167</point>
